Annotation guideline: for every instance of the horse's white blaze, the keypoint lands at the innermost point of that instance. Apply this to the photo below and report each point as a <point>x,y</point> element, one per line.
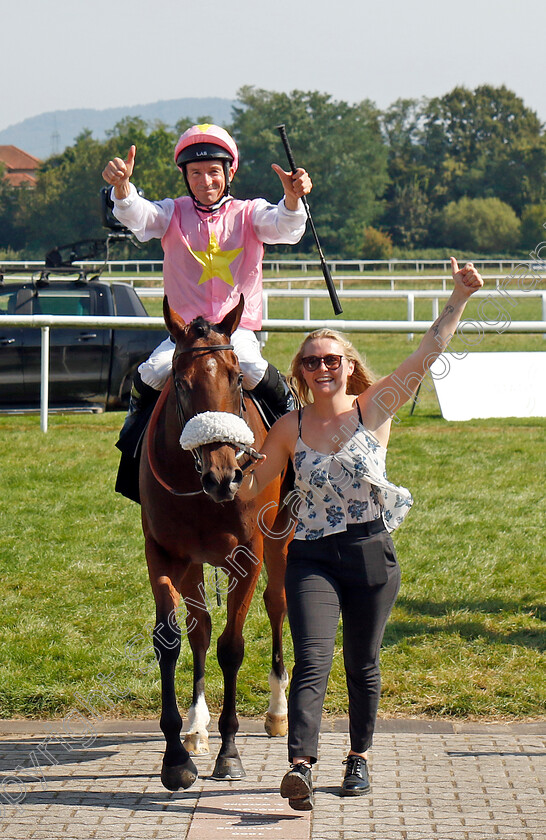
<point>198,716</point>
<point>277,702</point>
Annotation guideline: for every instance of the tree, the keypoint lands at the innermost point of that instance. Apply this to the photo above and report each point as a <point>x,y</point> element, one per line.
<point>409,215</point>
<point>533,223</point>
<point>376,245</point>
<point>339,144</point>
<point>409,210</point>
<point>12,234</point>
<point>486,225</point>
<point>64,206</point>
<point>484,143</point>
<point>402,128</point>
<point>481,144</point>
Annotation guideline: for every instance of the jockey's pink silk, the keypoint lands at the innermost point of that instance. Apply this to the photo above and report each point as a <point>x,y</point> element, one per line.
<point>210,259</point>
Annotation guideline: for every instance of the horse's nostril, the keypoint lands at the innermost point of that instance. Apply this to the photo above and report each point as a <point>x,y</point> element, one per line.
<point>220,489</point>
<point>209,482</point>
<point>237,476</point>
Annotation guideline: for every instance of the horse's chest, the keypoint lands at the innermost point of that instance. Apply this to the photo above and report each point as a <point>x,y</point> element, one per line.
<point>204,540</point>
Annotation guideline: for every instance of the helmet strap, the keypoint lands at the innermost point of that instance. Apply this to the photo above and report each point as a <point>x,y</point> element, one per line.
<point>211,208</point>
<point>227,167</point>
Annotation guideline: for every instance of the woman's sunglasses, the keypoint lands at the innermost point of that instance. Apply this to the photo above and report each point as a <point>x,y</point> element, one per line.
<point>332,361</point>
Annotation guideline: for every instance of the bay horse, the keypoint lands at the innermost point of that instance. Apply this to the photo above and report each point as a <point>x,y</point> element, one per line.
<point>194,517</point>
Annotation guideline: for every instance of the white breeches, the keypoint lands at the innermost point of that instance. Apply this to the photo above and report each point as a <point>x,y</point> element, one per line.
<point>156,369</point>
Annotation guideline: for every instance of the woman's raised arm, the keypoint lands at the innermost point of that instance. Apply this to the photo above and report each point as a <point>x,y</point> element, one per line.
<point>383,399</point>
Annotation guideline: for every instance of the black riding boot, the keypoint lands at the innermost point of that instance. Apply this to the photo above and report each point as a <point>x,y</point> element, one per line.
<point>274,394</point>
<point>141,403</point>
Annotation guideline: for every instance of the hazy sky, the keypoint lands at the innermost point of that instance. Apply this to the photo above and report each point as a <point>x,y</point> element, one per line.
<point>60,54</point>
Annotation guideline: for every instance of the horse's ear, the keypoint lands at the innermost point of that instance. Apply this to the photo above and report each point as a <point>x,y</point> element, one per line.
<point>174,322</point>
<point>230,322</point>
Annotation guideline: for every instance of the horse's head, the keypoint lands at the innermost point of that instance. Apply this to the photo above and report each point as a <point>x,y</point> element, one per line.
<point>208,388</point>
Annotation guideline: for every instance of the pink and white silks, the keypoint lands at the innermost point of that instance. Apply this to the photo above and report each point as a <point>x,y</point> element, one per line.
<point>210,259</point>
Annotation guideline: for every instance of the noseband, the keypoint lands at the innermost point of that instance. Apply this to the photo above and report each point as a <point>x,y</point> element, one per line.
<point>197,450</point>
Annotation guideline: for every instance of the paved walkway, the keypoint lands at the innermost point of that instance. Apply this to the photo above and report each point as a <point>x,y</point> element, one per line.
<point>430,781</point>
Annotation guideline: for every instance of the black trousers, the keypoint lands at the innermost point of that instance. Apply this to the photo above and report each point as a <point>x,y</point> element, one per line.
<point>355,573</point>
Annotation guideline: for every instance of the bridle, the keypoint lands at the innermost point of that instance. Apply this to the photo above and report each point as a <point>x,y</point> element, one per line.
<point>197,451</point>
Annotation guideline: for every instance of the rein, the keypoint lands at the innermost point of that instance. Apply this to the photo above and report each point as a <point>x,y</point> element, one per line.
<point>150,450</point>
<point>241,448</point>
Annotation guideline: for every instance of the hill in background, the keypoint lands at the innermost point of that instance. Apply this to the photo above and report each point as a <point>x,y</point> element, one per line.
<point>52,132</point>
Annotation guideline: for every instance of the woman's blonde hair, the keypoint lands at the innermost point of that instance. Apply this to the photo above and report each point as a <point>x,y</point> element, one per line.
<point>360,379</point>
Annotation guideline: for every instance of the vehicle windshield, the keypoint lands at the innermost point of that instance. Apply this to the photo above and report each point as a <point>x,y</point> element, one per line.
<point>61,302</point>
<point>29,301</point>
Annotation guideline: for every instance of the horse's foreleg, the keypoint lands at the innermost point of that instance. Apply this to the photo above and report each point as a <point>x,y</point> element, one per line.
<point>276,719</point>
<point>198,626</point>
<point>178,770</point>
<point>230,656</point>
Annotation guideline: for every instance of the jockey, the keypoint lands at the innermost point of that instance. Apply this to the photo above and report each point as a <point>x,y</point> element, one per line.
<point>213,249</point>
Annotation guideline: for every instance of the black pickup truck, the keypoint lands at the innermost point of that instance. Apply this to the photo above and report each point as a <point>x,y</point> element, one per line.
<point>90,368</point>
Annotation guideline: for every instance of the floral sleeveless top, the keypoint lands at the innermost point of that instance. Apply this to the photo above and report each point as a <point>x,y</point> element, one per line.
<point>345,487</point>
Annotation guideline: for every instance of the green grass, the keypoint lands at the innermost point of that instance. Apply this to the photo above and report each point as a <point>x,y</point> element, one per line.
<point>466,637</point>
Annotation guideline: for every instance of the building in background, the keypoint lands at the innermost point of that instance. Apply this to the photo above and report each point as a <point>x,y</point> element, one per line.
<point>21,168</point>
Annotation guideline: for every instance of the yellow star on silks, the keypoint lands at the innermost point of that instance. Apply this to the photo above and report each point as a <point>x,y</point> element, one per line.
<point>216,262</point>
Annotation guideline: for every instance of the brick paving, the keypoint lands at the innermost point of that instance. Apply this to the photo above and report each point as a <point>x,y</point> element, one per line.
<point>430,781</point>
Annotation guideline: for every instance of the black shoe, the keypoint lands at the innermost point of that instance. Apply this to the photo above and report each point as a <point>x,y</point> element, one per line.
<point>274,394</point>
<point>356,781</point>
<point>297,787</point>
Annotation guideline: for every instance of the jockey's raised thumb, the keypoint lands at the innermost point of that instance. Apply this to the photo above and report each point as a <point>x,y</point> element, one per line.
<point>130,161</point>
<point>286,177</point>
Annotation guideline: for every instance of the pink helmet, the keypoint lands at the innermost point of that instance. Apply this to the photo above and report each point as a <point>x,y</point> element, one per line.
<point>202,142</point>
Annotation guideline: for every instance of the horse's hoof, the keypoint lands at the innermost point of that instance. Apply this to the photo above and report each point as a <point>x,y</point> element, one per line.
<point>228,768</point>
<point>196,744</point>
<point>276,725</point>
<point>179,776</point>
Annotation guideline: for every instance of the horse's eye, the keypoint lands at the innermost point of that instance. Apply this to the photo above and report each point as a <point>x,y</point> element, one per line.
<point>240,379</point>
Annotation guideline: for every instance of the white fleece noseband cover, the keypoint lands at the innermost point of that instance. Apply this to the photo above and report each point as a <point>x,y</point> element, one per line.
<point>215,427</point>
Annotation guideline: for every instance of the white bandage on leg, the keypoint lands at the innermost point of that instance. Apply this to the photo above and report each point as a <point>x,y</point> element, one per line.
<point>156,369</point>
<point>247,350</point>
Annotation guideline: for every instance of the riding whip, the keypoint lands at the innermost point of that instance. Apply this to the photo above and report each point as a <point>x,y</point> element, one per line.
<point>325,270</point>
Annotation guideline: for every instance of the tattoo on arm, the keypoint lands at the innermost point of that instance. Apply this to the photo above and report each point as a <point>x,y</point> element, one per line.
<point>436,326</point>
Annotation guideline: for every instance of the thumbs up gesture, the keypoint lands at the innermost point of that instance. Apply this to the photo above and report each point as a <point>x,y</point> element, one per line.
<point>117,172</point>
<point>466,279</point>
<point>296,185</point>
